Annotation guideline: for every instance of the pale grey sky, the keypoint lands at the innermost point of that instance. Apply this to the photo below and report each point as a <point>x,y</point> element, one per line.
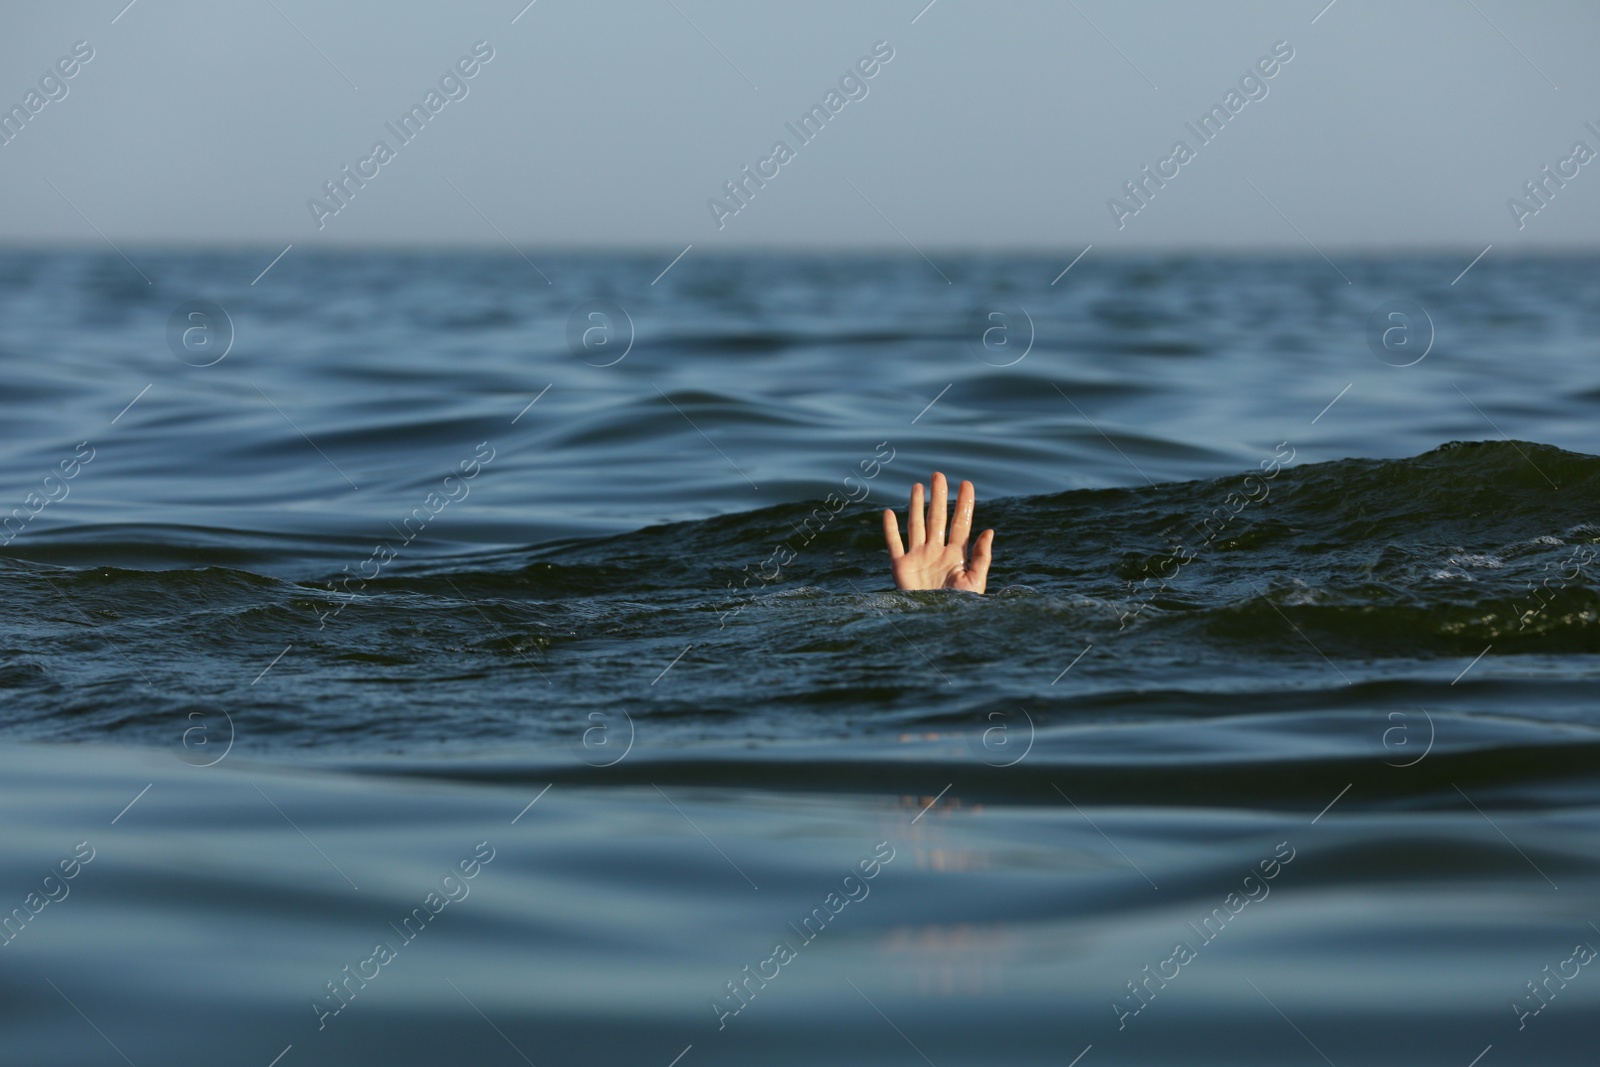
<point>996,124</point>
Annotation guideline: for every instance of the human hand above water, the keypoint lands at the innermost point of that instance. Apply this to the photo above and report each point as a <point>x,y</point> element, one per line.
<point>931,562</point>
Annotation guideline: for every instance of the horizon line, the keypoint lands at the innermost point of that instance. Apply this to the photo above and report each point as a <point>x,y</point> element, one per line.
<point>1069,249</point>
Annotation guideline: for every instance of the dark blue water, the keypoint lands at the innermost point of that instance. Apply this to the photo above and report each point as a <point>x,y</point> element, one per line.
<point>1288,659</point>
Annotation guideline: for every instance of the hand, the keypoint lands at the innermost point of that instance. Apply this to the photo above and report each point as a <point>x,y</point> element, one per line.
<point>931,563</point>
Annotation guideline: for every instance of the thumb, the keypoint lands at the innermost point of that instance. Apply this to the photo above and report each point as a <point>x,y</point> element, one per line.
<point>982,554</point>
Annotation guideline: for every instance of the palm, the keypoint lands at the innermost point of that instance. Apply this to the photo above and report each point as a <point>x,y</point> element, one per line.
<point>932,561</point>
<point>934,567</point>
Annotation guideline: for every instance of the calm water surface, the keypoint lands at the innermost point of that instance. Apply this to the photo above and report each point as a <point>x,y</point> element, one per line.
<point>1289,660</point>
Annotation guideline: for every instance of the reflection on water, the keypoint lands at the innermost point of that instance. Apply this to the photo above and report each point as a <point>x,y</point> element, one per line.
<point>948,961</point>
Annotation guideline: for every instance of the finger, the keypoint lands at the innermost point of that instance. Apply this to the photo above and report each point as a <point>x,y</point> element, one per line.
<point>891,534</point>
<point>961,525</point>
<point>978,567</point>
<point>914,529</point>
<point>938,509</point>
